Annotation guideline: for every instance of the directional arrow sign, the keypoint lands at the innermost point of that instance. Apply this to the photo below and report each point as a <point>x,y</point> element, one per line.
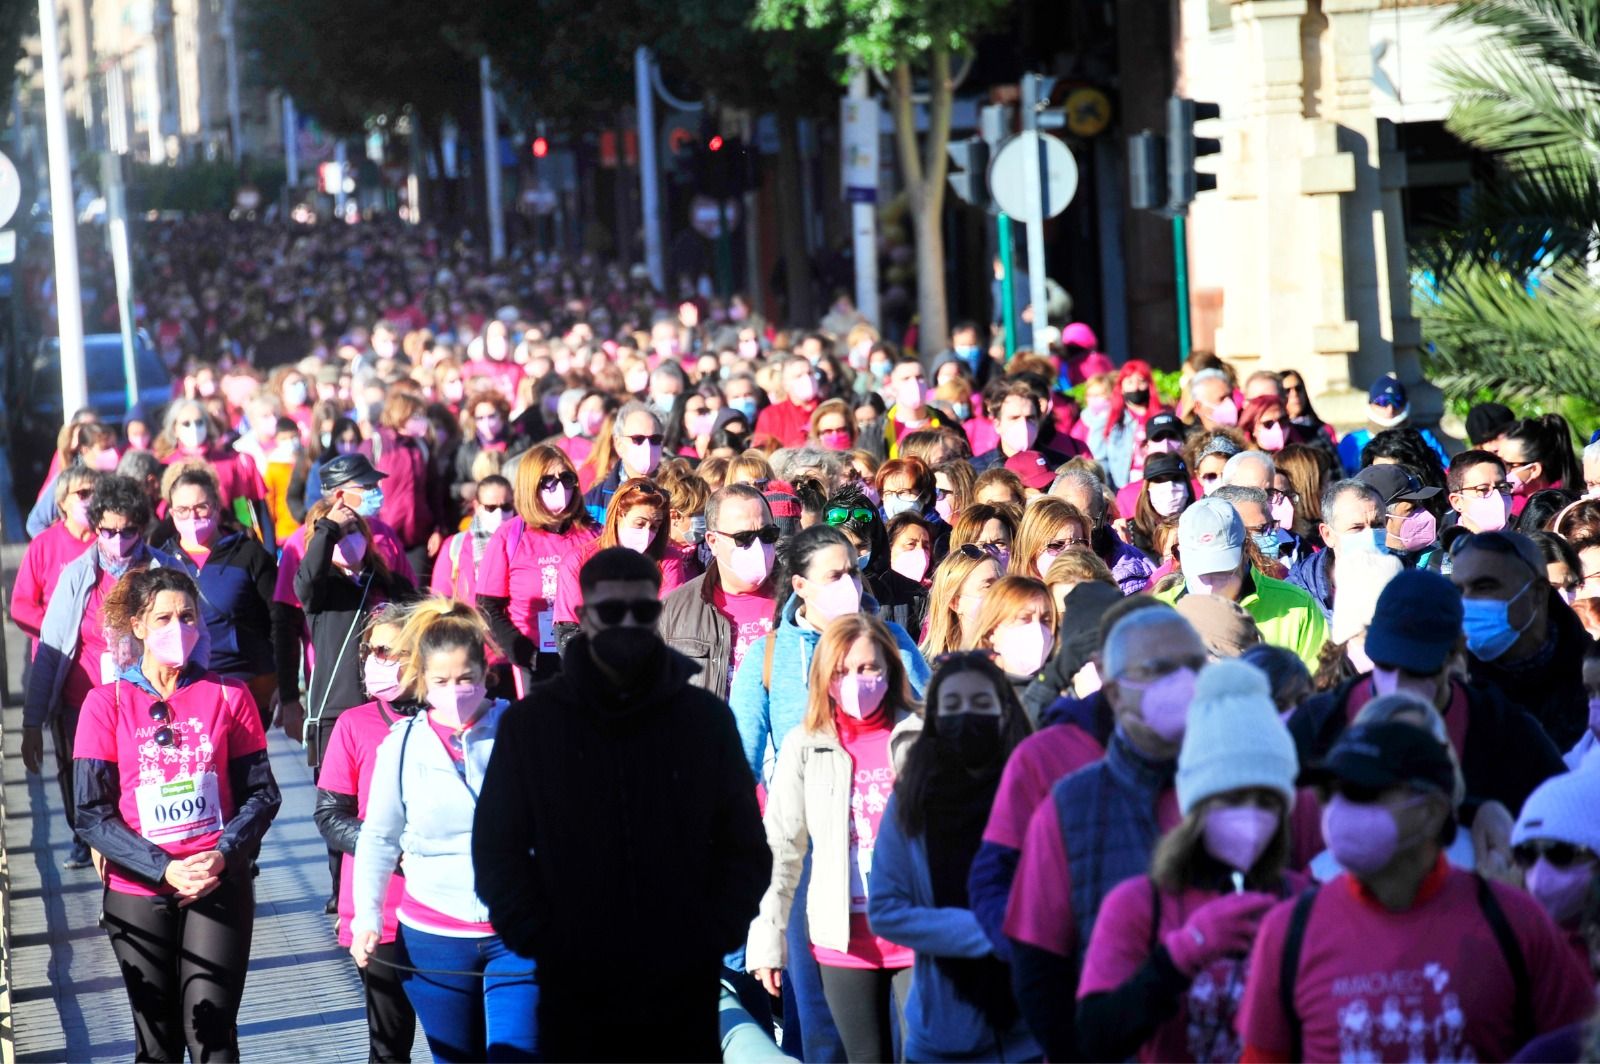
<point>1008,175</point>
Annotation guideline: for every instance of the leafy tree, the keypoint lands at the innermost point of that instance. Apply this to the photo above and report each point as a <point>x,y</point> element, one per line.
<point>1515,307</point>
<point>899,39</point>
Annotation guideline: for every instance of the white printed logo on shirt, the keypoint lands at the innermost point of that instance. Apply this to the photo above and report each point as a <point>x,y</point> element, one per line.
<point>1385,1013</point>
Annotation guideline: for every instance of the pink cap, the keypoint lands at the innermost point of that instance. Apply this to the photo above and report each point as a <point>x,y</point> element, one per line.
<point>1080,334</point>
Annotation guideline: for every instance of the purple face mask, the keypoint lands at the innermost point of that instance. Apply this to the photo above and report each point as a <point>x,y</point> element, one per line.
<point>1164,703</point>
<point>1562,891</point>
<point>1362,836</point>
<point>1237,835</point>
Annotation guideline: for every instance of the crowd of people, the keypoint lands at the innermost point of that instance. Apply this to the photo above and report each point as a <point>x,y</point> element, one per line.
<point>678,686</point>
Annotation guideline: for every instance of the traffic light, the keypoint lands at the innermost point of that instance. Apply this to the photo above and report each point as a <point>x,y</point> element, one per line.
<point>1184,148</point>
<point>1147,172</point>
<point>969,171</point>
<point>715,143</point>
<point>541,147</point>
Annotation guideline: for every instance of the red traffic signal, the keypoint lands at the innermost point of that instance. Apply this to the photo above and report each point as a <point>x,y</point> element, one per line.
<point>541,147</point>
<point>715,143</point>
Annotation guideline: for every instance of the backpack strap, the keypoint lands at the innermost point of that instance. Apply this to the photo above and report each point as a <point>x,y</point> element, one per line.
<point>1289,968</point>
<point>1511,948</point>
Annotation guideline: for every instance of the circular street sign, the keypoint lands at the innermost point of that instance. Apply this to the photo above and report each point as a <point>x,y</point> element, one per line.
<point>1088,112</point>
<point>1008,174</point>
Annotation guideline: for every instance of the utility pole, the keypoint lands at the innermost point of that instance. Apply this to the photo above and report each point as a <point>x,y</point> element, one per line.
<point>1037,293</point>
<point>291,141</point>
<point>115,187</point>
<point>63,220</point>
<point>649,177</point>
<point>491,163</point>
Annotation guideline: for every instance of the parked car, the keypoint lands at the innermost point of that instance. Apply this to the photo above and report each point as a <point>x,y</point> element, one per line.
<point>37,404</point>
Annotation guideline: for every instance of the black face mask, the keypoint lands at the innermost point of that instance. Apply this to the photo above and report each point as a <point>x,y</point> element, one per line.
<point>971,740</point>
<point>1141,397</point>
<point>627,656</point>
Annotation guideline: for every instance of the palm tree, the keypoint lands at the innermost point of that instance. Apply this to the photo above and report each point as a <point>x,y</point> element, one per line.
<point>1515,306</point>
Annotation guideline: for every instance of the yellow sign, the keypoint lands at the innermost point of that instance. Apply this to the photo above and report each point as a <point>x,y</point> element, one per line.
<point>1088,112</point>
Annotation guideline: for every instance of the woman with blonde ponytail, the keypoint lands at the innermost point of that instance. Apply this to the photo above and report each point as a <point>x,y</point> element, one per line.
<point>477,1000</point>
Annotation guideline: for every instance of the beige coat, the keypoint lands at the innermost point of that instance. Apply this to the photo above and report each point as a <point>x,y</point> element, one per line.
<point>809,802</point>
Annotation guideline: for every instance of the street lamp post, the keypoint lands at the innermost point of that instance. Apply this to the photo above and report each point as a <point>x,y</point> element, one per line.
<point>63,220</point>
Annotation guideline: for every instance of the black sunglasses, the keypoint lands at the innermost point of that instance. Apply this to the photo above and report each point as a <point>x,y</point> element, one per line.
<point>1559,854</point>
<point>645,611</point>
<point>127,532</point>
<point>504,507</point>
<point>550,482</point>
<point>161,713</point>
<point>766,534</point>
<point>640,441</point>
<point>973,552</point>
<point>838,515</point>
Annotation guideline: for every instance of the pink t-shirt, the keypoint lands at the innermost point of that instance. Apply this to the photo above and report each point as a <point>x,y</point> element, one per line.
<point>749,615</point>
<point>867,743</point>
<point>1203,1028</point>
<point>40,571</point>
<point>569,595</point>
<point>528,575</point>
<point>505,376</point>
<point>1429,983</point>
<point>88,669</point>
<point>1040,911</point>
<point>179,796</point>
<point>347,769</point>
<point>1031,770</point>
<point>237,474</point>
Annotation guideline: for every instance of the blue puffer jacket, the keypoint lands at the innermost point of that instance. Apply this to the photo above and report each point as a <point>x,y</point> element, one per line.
<point>765,716</point>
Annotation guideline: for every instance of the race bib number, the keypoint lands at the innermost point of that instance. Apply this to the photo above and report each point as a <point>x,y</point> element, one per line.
<point>179,810</point>
<point>547,632</point>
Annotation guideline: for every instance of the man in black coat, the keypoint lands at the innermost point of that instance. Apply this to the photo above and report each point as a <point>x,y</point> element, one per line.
<point>617,839</point>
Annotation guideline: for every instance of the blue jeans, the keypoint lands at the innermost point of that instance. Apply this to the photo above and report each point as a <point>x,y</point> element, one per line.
<point>469,1018</point>
<point>805,1008</point>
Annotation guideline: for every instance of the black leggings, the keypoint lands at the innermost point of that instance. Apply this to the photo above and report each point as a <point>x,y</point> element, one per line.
<point>64,729</point>
<point>391,1021</point>
<point>859,999</point>
<point>184,968</point>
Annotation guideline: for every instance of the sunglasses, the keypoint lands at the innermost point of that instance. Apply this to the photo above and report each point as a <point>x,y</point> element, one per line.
<point>554,480</point>
<point>502,508</point>
<point>161,713</point>
<point>972,552</point>
<point>639,441</point>
<point>118,533</point>
<point>645,611</point>
<point>1558,854</point>
<point>379,651</point>
<point>838,515</point>
<point>742,540</point>
<point>1056,546</point>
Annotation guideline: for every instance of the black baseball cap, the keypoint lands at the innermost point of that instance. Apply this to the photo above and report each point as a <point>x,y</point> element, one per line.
<point>1165,465</point>
<point>349,470</point>
<point>1164,427</point>
<point>1488,421</point>
<point>1381,756</point>
<point>1395,483</point>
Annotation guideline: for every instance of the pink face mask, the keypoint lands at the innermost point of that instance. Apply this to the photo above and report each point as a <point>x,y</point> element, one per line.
<point>1283,513</point>
<point>858,694</point>
<point>104,460</point>
<point>1363,837</point>
<point>837,599</point>
<point>196,529</point>
<point>1486,515</point>
<point>172,643</point>
<point>909,395</point>
<point>636,539</point>
<point>1238,835</point>
<point>835,440</point>
<point>946,509</point>
<point>1018,435</point>
<point>591,420</point>
<point>78,511</point>
<point>455,704</point>
<point>699,425</point>
<point>1168,496</point>
<point>1418,530</point>
<point>911,564</point>
<point>752,564</point>
<point>1224,413</point>
<point>1271,438</point>
<point>803,389</point>
<point>642,458</point>
<point>381,678</point>
<point>1164,703</point>
<point>1021,647</point>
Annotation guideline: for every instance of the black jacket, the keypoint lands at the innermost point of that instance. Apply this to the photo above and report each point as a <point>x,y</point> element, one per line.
<point>1507,754</point>
<point>236,585</point>
<point>336,608</point>
<point>620,828</point>
<point>1551,687</point>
